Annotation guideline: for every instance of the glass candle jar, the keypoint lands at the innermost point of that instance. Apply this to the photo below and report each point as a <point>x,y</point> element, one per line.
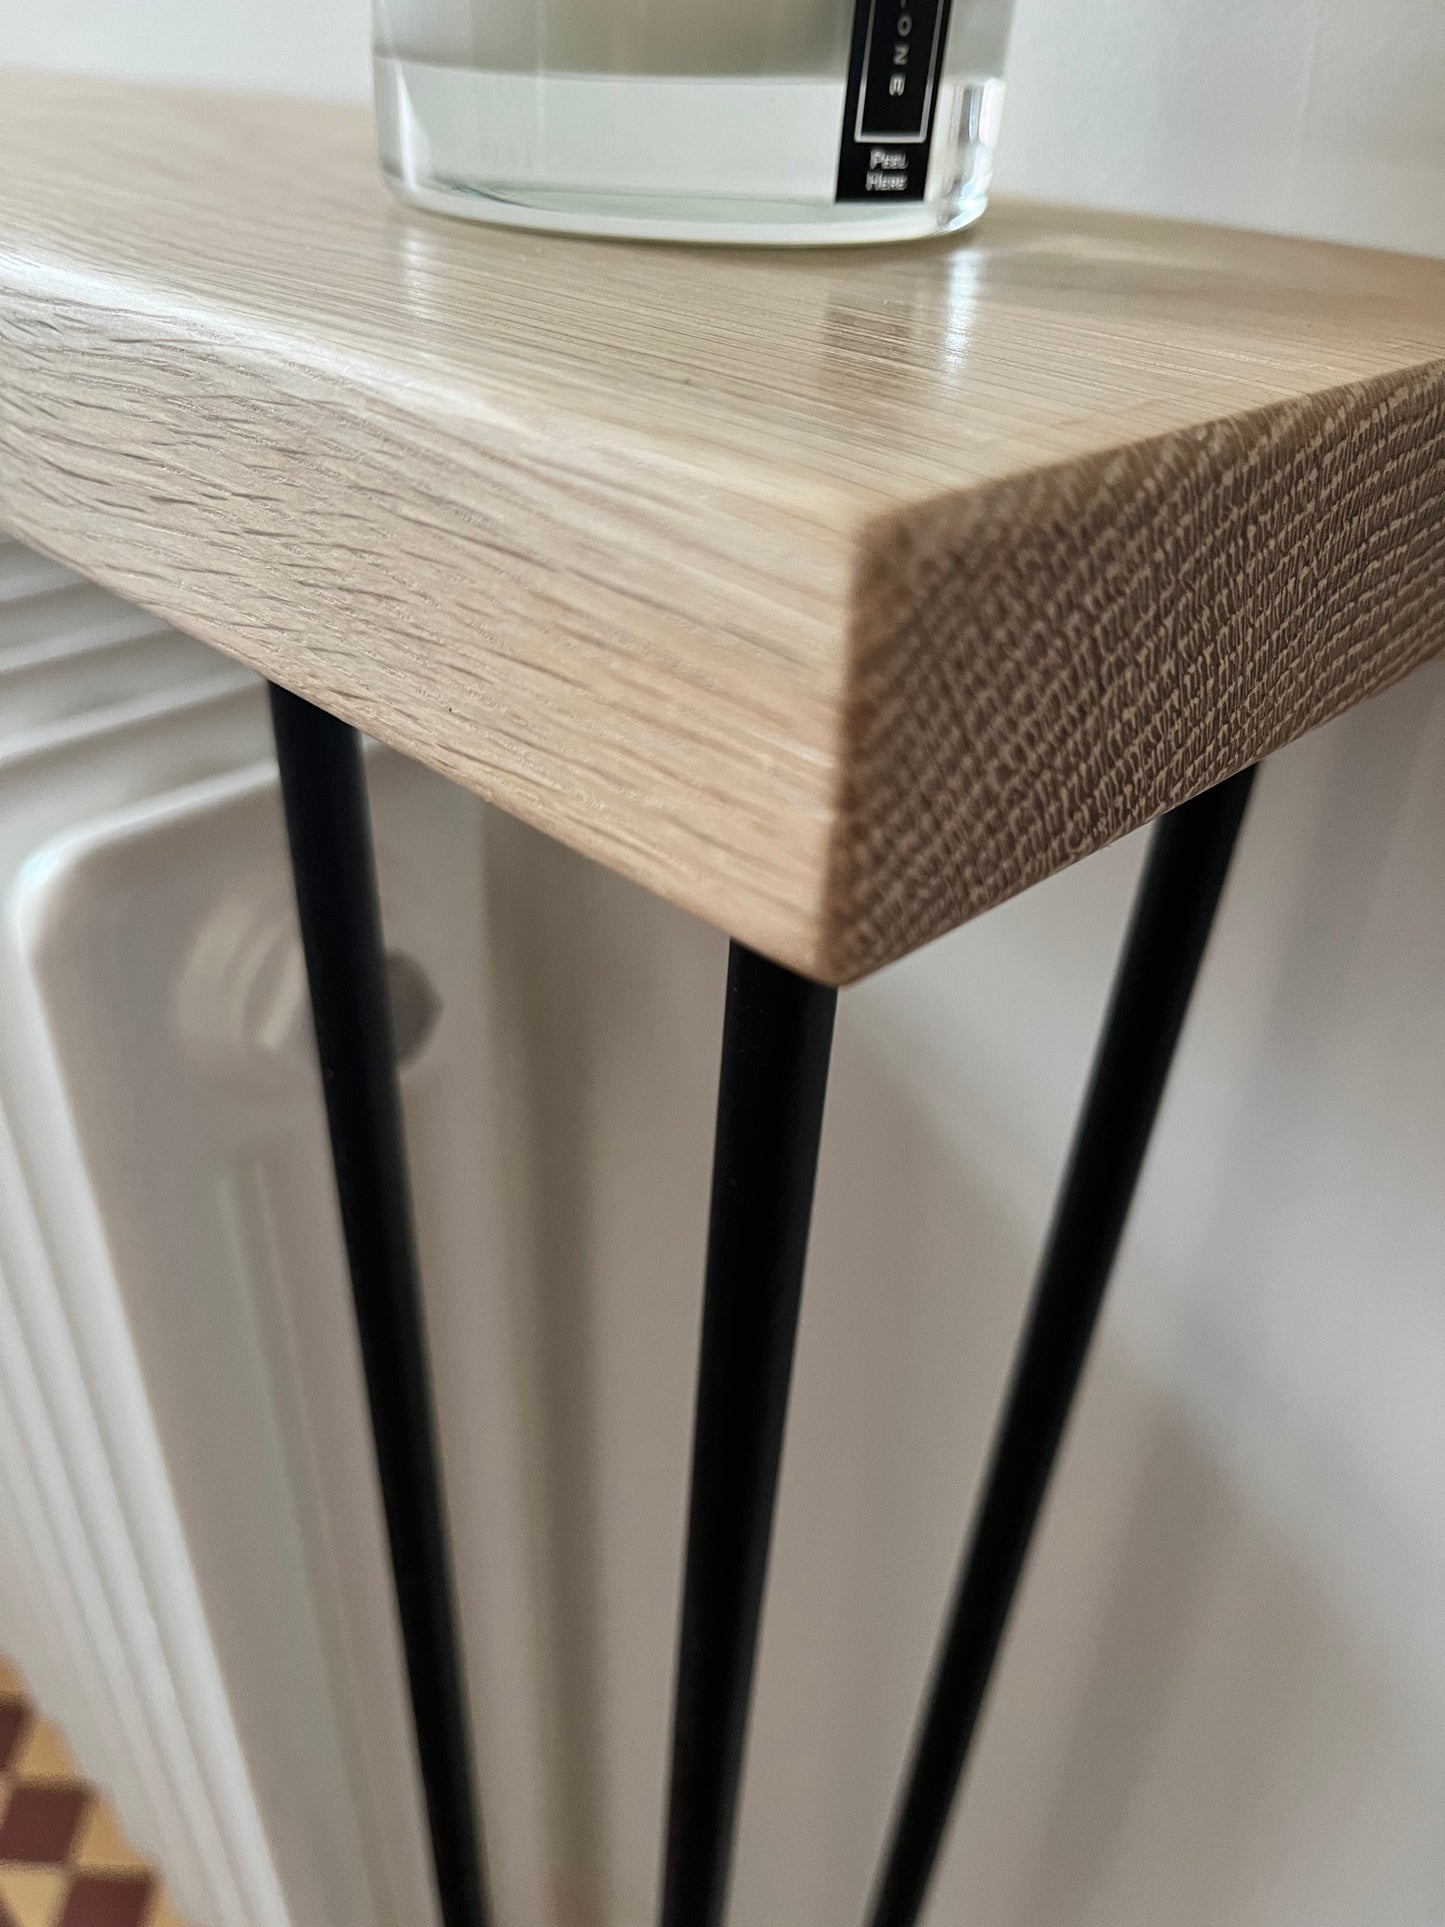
<point>726,120</point>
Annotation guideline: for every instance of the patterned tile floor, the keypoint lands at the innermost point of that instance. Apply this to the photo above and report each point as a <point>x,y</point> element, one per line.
<point>63,1859</point>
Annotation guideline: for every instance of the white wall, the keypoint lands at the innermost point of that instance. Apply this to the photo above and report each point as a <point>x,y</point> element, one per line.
<point>307,47</point>
<point>1224,1699</point>
<point>1306,116</point>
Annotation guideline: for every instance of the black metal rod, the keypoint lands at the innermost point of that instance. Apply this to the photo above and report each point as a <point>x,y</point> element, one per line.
<point>1168,931</point>
<point>323,790</point>
<point>777,1037</point>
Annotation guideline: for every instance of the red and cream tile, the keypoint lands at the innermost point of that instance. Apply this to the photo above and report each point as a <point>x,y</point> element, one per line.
<point>63,1859</point>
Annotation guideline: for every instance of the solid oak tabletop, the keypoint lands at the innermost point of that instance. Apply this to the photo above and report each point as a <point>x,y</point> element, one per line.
<point>835,595</point>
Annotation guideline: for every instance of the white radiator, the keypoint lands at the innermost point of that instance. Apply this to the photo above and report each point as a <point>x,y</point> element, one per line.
<point>198,1585</point>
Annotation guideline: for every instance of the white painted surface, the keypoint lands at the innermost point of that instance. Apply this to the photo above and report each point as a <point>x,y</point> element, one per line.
<point>315,48</point>
<point>1222,1701</point>
<point>193,1573</point>
<point>80,1405</point>
<point>158,950</point>
<point>1317,117</point>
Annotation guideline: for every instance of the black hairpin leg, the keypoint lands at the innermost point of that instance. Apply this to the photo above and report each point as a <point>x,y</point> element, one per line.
<point>323,789</point>
<point>1173,914</point>
<point>776,1041</point>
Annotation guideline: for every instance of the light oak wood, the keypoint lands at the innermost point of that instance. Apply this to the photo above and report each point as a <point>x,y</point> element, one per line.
<point>832,595</point>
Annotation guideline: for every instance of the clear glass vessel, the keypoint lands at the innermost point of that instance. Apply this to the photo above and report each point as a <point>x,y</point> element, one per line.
<point>700,120</point>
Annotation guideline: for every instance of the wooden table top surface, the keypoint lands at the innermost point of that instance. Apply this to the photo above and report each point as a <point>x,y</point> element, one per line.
<point>832,594</point>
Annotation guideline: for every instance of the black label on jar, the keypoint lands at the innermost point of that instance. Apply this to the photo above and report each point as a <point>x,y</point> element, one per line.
<point>893,75</point>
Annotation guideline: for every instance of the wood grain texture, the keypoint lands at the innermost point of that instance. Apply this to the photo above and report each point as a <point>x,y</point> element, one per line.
<point>833,595</point>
